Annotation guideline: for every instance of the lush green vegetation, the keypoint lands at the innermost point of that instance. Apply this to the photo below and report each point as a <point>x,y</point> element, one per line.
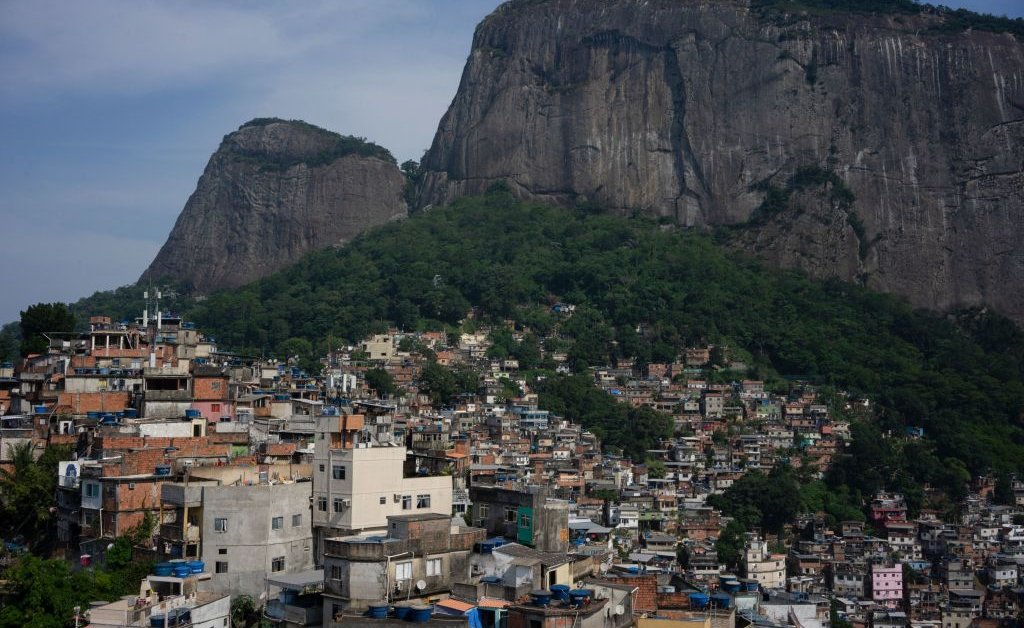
<point>952,20</point>
<point>620,426</point>
<point>23,515</point>
<point>43,319</point>
<point>959,379</point>
<point>343,145</point>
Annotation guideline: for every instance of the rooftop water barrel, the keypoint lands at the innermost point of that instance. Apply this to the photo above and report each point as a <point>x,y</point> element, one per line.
<point>182,571</point>
<point>420,613</point>
<point>163,569</point>
<point>131,413</point>
<point>40,409</point>
<point>560,592</point>
<point>378,610</point>
<point>731,586</point>
<point>750,585</point>
<point>721,600</point>
<point>579,597</point>
<point>197,566</point>
<point>402,610</point>
<point>699,600</point>
<point>540,597</point>
<point>108,419</point>
<point>192,413</point>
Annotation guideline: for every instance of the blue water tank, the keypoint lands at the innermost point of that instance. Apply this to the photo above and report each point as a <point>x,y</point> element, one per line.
<point>192,413</point>
<point>131,413</point>
<point>402,610</point>
<point>40,409</point>
<point>540,597</point>
<point>378,610</point>
<point>93,415</point>
<point>721,600</point>
<point>731,586</point>
<point>197,566</point>
<point>560,592</point>
<point>420,613</point>
<point>579,597</point>
<point>182,570</point>
<point>699,600</point>
<point>163,569</point>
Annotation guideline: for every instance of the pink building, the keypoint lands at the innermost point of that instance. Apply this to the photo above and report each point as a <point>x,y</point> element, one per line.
<point>887,585</point>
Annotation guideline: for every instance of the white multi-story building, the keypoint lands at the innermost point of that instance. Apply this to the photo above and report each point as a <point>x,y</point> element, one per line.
<point>761,565</point>
<point>358,482</point>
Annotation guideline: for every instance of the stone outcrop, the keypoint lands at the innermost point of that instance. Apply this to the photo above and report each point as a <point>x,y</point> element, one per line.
<point>695,110</point>
<point>273,191</point>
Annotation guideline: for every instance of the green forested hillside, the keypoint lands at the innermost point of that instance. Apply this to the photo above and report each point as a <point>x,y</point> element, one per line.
<point>959,379</point>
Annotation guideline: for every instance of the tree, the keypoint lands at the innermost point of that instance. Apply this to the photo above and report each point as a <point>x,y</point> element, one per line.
<point>22,483</point>
<point>731,544</point>
<point>243,611</point>
<point>40,319</point>
<point>381,381</point>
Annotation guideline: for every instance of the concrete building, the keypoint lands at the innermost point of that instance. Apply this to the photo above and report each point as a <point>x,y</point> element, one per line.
<point>359,482</point>
<point>243,533</point>
<point>420,555</point>
<point>527,517</point>
<point>768,569</point>
<point>887,585</point>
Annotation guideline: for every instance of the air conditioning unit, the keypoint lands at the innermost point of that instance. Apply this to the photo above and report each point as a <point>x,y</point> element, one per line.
<point>347,503</point>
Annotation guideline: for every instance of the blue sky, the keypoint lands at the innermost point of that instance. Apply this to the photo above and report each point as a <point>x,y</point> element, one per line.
<point>109,110</point>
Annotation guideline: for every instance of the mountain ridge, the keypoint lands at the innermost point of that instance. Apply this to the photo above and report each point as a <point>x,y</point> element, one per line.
<point>273,191</point>
<point>691,111</point>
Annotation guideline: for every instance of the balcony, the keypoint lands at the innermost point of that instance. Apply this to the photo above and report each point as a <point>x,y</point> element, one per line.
<point>168,395</point>
<point>174,532</point>
<point>300,613</point>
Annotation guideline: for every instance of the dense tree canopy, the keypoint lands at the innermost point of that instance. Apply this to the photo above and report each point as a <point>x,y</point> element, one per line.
<point>41,319</point>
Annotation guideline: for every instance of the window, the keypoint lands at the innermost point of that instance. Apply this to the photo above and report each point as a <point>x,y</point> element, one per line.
<point>338,472</point>
<point>406,502</point>
<point>214,407</point>
<point>403,571</point>
<point>221,566</point>
<point>296,520</point>
<point>335,572</point>
<point>222,551</point>
<point>92,490</point>
<point>322,468</point>
<point>220,524</point>
<point>339,504</point>
<point>423,501</point>
<point>524,521</point>
<point>277,523</point>
<point>434,567</point>
<point>321,503</point>
<point>131,486</point>
<point>510,515</point>
<point>277,564</point>
<point>484,510</point>
<point>383,500</point>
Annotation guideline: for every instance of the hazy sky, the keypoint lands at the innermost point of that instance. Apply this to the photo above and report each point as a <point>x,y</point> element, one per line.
<point>109,110</point>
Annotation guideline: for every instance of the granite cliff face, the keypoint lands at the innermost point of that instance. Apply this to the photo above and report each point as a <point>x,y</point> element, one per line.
<point>273,191</point>
<point>700,110</point>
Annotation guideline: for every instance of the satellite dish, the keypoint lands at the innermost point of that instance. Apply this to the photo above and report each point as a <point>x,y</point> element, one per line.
<point>420,585</point>
<point>619,609</point>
